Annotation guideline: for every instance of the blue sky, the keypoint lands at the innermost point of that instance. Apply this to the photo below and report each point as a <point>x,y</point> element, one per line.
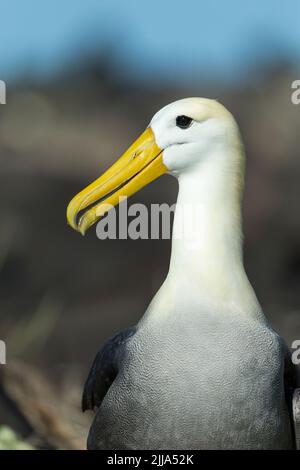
<point>152,40</point>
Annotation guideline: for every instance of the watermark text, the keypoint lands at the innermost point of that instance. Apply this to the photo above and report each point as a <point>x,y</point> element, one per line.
<point>138,221</point>
<point>2,352</point>
<point>296,352</point>
<point>2,92</point>
<point>295,97</point>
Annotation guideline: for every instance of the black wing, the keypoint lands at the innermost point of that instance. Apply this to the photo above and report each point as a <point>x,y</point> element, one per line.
<point>104,370</point>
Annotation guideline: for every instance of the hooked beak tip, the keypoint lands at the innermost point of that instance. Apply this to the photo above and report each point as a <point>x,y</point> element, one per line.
<point>71,215</point>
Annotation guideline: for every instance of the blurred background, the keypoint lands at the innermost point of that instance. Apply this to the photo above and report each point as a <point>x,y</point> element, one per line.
<point>83,80</point>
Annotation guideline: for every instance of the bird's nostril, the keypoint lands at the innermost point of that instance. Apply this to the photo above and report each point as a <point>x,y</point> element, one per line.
<point>136,154</point>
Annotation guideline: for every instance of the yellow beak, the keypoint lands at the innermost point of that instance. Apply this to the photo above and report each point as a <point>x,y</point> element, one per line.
<point>138,166</point>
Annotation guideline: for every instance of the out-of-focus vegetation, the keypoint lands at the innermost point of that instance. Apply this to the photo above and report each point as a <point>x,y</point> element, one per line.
<point>62,295</point>
<point>9,440</point>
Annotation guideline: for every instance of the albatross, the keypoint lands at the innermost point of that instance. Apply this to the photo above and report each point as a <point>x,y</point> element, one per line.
<point>202,369</point>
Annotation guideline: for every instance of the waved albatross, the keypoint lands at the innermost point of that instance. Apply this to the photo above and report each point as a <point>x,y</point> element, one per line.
<point>202,369</point>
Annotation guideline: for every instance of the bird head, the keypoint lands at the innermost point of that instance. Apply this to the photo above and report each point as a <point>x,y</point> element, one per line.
<point>181,137</point>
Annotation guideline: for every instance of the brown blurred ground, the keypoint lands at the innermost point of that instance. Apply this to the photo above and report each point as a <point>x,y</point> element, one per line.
<point>62,295</point>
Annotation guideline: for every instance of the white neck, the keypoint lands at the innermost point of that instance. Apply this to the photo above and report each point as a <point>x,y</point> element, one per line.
<point>206,264</point>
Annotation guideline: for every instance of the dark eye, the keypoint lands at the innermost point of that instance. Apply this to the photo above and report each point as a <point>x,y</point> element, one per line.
<point>183,121</point>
